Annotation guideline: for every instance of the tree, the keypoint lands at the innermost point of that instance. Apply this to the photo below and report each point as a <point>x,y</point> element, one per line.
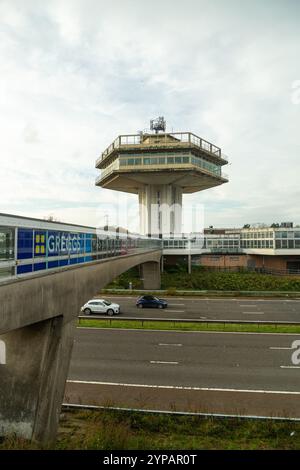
<point>51,218</point>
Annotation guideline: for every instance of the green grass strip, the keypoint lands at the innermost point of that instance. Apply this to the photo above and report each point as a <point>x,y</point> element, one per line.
<point>172,292</point>
<point>118,430</point>
<point>155,325</point>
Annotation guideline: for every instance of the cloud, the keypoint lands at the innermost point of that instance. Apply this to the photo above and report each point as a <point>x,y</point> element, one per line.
<point>76,74</point>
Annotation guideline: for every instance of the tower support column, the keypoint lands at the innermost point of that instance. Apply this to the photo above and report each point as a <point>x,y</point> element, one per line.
<point>160,210</point>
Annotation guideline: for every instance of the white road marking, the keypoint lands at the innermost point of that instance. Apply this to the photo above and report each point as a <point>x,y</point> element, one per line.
<point>290,367</point>
<point>169,344</point>
<point>275,347</point>
<point>163,362</point>
<point>177,387</point>
<point>253,313</point>
<point>177,311</point>
<point>248,305</point>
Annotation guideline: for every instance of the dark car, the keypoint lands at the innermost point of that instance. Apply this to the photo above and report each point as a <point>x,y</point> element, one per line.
<point>149,301</point>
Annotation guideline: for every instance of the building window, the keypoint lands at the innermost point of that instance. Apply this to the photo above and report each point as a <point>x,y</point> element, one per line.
<point>7,243</point>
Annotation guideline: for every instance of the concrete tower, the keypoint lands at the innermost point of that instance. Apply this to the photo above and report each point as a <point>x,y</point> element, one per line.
<point>160,166</point>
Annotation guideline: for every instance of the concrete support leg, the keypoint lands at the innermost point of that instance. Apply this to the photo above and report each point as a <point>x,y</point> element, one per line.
<point>160,209</point>
<point>151,275</point>
<point>189,264</point>
<point>33,378</point>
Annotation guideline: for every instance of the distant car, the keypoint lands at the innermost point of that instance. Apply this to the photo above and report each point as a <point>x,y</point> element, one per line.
<point>149,301</point>
<point>100,306</point>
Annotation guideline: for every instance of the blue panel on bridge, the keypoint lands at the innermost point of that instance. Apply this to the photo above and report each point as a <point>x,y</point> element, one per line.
<point>63,262</point>
<point>27,268</point>
<point>40,243</point>
<point>47,249</point>
<point>39,266</point>
<point>52,264</point>
<point>25,244</point>
<point>88,242</point>
<point>62,243</point>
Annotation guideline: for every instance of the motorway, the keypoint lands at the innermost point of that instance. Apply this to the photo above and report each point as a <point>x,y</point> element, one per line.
<point>215,309</point>
<point>227,373</point>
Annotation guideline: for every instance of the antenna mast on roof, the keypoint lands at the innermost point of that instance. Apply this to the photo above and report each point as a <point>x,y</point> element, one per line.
<point>158,124</point>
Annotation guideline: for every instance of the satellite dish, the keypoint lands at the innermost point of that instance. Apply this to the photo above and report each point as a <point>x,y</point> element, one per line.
<point>158,124</point>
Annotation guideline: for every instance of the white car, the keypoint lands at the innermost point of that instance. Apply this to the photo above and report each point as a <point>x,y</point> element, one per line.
<point>100,306</point>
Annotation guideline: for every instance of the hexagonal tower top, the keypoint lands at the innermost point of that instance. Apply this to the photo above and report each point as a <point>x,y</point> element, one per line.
<point>160,166</point>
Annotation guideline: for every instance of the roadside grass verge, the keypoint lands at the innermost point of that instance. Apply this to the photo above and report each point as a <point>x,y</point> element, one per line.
<point>173,292</point>
<point>119,430</point>
<point>204,279</point>
<point>178,326</point>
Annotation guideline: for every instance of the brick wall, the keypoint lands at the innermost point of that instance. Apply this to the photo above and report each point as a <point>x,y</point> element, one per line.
<point>223,261</point>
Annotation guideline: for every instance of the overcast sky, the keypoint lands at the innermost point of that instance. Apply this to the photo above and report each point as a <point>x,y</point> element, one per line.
<point>74,74</point>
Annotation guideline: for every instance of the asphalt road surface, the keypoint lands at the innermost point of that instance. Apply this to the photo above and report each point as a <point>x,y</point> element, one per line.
<point>228,373</point>
<point>215,309</point>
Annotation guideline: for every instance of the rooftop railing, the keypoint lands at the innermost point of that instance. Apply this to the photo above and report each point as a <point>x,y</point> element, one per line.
<point>181,137</point>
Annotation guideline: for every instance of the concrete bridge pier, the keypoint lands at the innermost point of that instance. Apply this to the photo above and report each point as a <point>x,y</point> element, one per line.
<point>32,383</point>
<point>151,275</point>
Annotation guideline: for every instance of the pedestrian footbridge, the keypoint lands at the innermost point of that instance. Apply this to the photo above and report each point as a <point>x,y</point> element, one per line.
<point>48,270</point>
